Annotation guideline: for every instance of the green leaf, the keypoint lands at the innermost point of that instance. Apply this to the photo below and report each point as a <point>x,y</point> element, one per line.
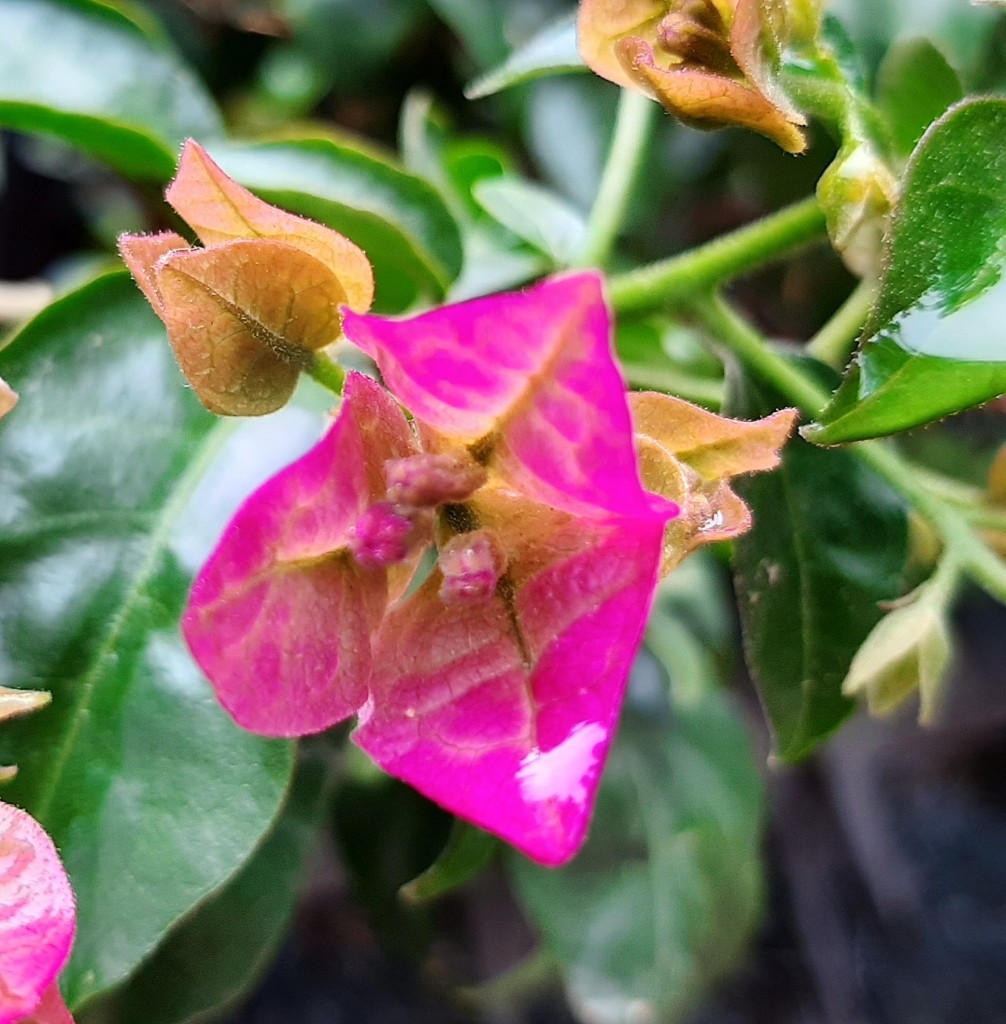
<point>400,220</point>
<point>212,958</point>
<point>535,214</point>
<point>494,259</point>
<point>153,796</point>
<point>915,85</point>
<point>568,132</point>
<point>827,546</point>
<point>664,896</point>
<point>84,72</point>
<point>659,354</point>
<point>467,852</point>
<point>351,41</point>
<point>553,51</point>
<point>935,342</point>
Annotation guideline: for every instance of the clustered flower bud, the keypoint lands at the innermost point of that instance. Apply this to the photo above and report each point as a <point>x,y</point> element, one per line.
<point>472,564</point>
<point>386,534</point>
<point>427,480</point>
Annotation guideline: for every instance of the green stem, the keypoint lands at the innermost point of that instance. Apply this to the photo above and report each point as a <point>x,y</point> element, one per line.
<point>833,344</point>
<point>975,557</point>
<point>947,518</point>
<point>633,127</point>
<point>679,278</point>
<point>737,335</point>
<point>328,373</point>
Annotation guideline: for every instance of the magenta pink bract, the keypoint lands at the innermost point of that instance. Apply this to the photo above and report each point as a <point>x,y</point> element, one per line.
<point>503,712</point>
<point>281,616</point>
<point>530,375</point>
<point>495,691</point>
<point>37,916</point>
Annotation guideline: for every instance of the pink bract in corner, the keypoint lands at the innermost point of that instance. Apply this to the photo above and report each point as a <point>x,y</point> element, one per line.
<point>37,920</point>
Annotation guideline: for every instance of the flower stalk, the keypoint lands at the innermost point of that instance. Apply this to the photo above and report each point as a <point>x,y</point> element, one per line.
<point>634,123</point>
<point>672,282</point>
<point>951,522</point>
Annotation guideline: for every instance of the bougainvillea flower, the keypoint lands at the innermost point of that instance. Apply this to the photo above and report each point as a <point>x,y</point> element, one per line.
<point>37,921</point>
<point>688,454</point>
<point>246,311</point>
<point>494,685</point>
<point>710,62</point>
<point>281,616</point>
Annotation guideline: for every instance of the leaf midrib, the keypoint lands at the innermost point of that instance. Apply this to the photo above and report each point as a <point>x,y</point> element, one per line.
<point>159,535</point>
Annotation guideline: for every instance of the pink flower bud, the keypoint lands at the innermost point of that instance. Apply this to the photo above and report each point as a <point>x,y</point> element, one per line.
<point>425,481</point>
<point>384,535</point>
<point>472,564</point>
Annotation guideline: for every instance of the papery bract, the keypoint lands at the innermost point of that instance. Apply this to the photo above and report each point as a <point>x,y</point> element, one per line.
<point>503,711</point>
<point>708,61</point>
<point>687,454</point>
<point>51,1009</point>
<point>281,616</point>
<point>37,920</point>
<point>499,701</point>
<point>244,314</point>
<point>526,384</point>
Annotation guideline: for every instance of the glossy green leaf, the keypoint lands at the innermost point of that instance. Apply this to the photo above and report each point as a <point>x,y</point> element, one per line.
<point>915,85</point>
<point>537,215</point>
<point>664,896</point>
<point>84,72</point>
<point>214,956</point>
<point>935,342</point>
<point>153,796</point>
<point>489,30</point>
<point>494,259</point>
<point>553,51</point>
<point>828,545</point>
<point>400,220</point>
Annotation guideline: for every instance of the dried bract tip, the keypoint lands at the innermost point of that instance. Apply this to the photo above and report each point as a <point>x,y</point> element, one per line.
<point>20,702</point>
<point>472,564</point>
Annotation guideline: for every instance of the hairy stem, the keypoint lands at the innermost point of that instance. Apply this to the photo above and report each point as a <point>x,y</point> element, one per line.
<point>633,128</point>
<point>833,344</point>
<point>328,373</point>
<point>676,280</point>
<point>946,517</point>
